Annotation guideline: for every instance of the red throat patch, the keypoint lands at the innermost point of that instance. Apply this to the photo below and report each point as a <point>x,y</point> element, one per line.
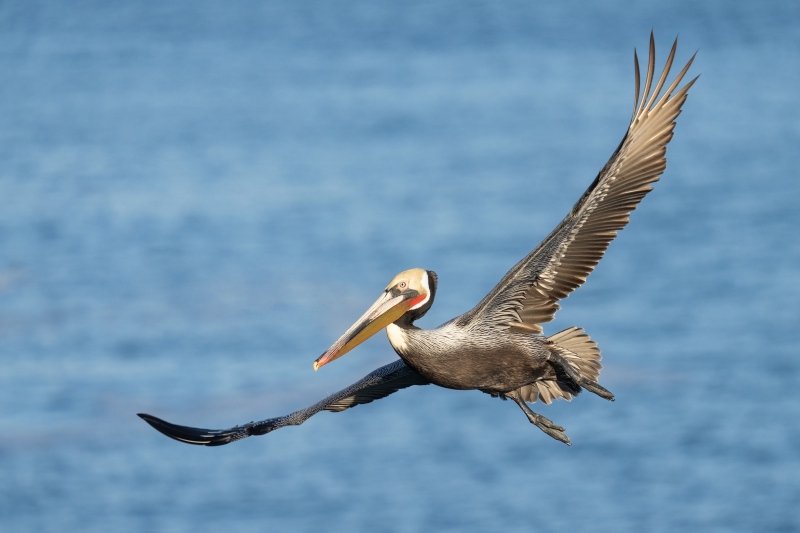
<point>417,300</point>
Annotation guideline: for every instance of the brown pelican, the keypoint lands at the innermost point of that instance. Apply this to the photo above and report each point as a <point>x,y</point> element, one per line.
<point>498,347</point>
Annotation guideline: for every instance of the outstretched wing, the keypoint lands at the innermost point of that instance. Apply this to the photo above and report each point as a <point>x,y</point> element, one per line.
<point>374,386</point>
<point>528,295</point>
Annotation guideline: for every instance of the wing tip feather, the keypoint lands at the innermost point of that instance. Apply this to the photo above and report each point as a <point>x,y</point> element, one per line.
<point>191,435</point>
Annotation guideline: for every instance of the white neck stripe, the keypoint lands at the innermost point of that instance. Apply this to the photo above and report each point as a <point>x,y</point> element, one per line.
<point>427,291</point>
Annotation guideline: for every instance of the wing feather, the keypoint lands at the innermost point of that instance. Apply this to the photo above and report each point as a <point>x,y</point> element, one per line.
<point>528,295</point>
<point>377,384</point>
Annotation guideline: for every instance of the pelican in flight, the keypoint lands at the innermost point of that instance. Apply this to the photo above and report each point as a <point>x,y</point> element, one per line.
<point>498,347</point>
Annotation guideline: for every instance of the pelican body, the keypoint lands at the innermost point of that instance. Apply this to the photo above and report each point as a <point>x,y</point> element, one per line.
<point>498,347</point>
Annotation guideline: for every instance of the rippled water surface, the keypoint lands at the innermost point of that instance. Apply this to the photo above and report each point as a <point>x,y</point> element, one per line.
<point>199,197</point>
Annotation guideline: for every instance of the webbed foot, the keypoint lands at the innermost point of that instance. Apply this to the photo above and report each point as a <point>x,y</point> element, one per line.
<point>595,387</point>
<point>540,421</point>
<point>547,425</point>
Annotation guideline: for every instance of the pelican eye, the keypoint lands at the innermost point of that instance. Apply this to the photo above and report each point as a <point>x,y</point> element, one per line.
<point>402,285</point>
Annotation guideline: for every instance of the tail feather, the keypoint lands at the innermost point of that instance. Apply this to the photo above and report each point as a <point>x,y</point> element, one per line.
<point>581,352</point>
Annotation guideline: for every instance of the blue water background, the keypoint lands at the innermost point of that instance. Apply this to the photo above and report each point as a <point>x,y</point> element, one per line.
<point>199,197</point>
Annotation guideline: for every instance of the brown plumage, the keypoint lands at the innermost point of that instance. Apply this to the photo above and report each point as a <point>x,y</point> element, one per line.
<point>498,346</point>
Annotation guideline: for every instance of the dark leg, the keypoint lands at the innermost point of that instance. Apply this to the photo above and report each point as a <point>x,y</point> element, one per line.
<point>542,422</point>
<point>574,375</point>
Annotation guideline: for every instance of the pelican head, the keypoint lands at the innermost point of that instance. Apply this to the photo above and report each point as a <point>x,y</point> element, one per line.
<point>407,297</point>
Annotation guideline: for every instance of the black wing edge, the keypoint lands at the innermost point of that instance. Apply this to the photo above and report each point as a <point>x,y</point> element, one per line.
<point>199,436</point>
<point>377,384</point>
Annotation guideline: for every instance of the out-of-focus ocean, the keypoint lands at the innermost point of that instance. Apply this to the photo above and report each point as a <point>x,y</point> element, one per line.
<point>199,197</point>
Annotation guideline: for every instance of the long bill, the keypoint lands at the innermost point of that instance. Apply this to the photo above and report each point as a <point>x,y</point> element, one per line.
<point>386,309</point>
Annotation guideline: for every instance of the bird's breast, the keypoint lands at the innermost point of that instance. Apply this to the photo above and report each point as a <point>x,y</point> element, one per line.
<point>459,358</point>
